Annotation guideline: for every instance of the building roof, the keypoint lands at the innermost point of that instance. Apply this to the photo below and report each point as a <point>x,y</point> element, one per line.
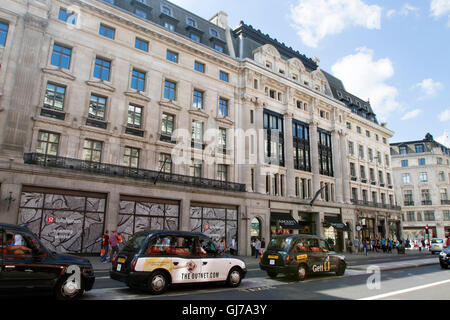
<point>428,139</point>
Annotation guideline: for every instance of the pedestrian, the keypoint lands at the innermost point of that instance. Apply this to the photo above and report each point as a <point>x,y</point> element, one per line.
<point>257,248</point>
<point>389,246</point>
<point>423,244</point>
<point>252,245</point>
<point>356,245</point>
<point>419,244</point>
<point>105,247</point>
<point>365,246</point>
<point>114,242</point>
<point>222,245</point>
<point>448,241</point>
<point>263,245</point>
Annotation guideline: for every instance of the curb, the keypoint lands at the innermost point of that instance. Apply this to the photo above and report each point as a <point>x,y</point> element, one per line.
<point>409,266</point>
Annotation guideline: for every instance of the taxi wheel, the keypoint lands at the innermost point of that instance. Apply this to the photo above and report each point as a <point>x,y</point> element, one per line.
<point>234,278</point>
<point>272,274</point>
<point>301,273</point>
<point>67,290</point>
<point>444,266</point>
<point>158,282</point>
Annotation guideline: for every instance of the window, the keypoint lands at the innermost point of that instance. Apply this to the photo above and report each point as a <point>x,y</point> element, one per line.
<point>410,216</point>
<point>48,143</point>
<point>223,107</point>
<point>388,176</point>
<point>423,177</point>
<point>384,140</point>
<point>141,13</point>
<point>362,172</point>
<point>274,140</point>
<point>358,129</point>
<point>131,157</point>
<point>224,76</point>
<point>301,150</point>
<point>167,124</point>
<point>426,195</point>
<point>429,216</point>
<point>97,107</point>
<point>196,168</point>
<point>138,80</point>
<point>200,67</point>
<point>446,215</point>
<point>352,170</point>
<point>368,133</point>
<point>349,125</point>
<point>408,197</point>
<point>166,10</point>
<point>170,90</point>
<point>370,154</point>
<point>444,195</point>
<point>251,116</point>
<point>169,26</point>
<point>54,97</point>
<point>379,157</point>
<point>197,131</point>
<point>386,159</point>
<point>141,44</point>
<point>102,69</point>
<point>134,116</point>
<point>325,153</point>
<point>403,150</point>
<point>197,99</point>
<point>172,56</point>
<point>67,17</point>
<point>191,22</point>
<point>419,216</point>
<point>106,31</point>
<point>419,148</point>
<point>213,33</point>
<point>61,56</point>
<point>380,177</point>
<point>165,163</point>
<point>421,161</point>
<point>441,176</point>
<point>195,37</point>
<point>222,143</point>
<point>406,178</point>
<point>404,163</point>
<point>222,172</point>
<point>351,150</point>
<point>218,47</point>
<point>361,151</point>
<point>92,150</point>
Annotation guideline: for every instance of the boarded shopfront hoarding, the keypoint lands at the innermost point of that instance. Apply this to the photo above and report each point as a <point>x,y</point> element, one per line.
<point>65,221</point>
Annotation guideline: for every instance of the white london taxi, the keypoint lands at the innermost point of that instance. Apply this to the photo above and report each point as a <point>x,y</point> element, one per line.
<point>153,260</point>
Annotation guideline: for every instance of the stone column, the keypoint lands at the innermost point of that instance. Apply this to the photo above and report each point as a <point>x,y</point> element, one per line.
<point>337,165</point>
<point>289,178</point>
<point>112,212</point>
<point>314,156</point>
<point>260,177</point>
<point>185,212</point>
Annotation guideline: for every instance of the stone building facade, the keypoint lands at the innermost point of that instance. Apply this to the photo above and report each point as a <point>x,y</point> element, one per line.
<point>130,115</point>
<point>422,182</point>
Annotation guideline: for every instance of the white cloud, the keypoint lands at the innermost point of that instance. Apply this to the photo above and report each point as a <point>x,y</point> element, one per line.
<point>429,87</point>
<point>366,78</point>
<point>444,139</point>
<point>405,11</point>
<point>440,8</point>
<point>444,115</point>
<point>316,19</point>
<point>411,114</point>
<point>391,13</point>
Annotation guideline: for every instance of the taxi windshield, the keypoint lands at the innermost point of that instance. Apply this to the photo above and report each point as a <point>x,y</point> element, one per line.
<point>135,242</point>
<point>279,244</point>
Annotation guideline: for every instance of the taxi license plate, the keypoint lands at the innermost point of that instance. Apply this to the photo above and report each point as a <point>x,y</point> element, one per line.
<point>119,267</point>
<point>121,260</point>
<point>272,262</point>
<point>272,257</point>
<point>436,246</point>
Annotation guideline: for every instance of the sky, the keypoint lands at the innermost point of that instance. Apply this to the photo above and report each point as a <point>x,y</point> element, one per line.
<point>394,53</point>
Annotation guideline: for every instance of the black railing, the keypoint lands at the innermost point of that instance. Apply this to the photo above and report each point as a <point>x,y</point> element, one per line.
<point>372,204</point>
<point>445,201</point>
<point>122,171</point>
<point>408,203</point>
<point>427,202</point>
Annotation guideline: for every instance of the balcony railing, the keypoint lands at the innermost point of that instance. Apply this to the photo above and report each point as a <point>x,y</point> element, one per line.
<point>375,204</point>
<point>427,202</point>
<point>445,201</point>
<point>409,203</point>
<point>127,172</point>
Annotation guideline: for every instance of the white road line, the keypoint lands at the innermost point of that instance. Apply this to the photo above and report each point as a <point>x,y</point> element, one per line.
<point>394,293</point>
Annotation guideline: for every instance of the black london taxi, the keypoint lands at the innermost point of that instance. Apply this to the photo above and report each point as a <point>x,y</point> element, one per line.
<point>153,260</point>
<point>444,258</point>
<point>26,266</point>
<point>300,255</point>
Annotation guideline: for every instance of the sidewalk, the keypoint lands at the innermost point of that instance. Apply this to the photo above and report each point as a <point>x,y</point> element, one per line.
<point>354,261</point>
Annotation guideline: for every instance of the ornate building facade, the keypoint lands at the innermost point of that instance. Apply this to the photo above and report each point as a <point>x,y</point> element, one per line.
<point>422,180</point>
<point>130,115</point>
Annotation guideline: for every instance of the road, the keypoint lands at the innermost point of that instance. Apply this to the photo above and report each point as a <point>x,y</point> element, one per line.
<point>428,282</point>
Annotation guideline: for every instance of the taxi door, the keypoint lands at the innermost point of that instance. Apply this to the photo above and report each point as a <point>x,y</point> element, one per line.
<point>214,267</point>
<point>317,258</point>
<point>187,265</point>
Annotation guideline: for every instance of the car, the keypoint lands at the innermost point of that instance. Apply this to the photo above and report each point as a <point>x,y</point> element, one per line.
<point>437,245</point>
<point>155,260</point>
<point>300,255</point>
<point>27,266</point>
<point>444,258</point>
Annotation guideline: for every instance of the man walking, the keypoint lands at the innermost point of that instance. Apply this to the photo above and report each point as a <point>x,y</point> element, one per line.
<point>448,241</point>
<point>257,247</point>
<point>105,247</point>
<point>114,241</point>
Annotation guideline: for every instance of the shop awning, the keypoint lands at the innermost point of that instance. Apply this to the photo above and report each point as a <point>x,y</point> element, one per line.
<point>284,220</point>
<point>335,222</point>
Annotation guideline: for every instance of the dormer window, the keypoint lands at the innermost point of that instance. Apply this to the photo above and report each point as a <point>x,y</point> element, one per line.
<point>191,22</point>
<point>268,65</point>
<point>166,10</point>
<point>213,33</point>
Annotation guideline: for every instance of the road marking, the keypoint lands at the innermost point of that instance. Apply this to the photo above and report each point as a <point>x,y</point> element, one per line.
<point>394,293</point>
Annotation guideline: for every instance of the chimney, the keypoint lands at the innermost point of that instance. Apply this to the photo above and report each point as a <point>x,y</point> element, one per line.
<point>220,19</point>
